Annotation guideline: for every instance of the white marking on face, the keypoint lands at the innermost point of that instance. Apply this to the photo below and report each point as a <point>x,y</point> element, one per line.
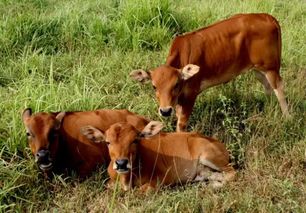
<point>114,166</point>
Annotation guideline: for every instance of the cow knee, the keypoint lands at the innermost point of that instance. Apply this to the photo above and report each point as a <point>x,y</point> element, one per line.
<point>147,188</point>
<point>181,127</point>
<point>274,79</point>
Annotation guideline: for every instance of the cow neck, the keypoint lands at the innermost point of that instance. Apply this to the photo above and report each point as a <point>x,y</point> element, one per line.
<point>182,90</point>
<point>136,170</point>
<point>63,150</point>
<point>143,170</point>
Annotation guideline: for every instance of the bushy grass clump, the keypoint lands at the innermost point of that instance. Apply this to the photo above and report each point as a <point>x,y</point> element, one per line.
<point>76,55</point>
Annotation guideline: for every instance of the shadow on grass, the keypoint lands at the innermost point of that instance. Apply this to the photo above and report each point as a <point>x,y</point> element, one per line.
<point>24,187</point>
<point>227,117</point>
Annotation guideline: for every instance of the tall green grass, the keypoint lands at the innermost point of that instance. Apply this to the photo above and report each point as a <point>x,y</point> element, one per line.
<point>76,55</point>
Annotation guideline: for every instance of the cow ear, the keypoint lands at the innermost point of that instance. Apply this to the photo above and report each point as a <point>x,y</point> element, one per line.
<point>151,129</point>
<point>189,70</point>
<point>93,134</point>
<point>26,114</point>
<point>59,117</point>
<point>141,76</point>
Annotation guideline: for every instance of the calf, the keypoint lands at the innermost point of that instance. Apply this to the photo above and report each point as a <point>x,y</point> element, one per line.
<point>214,55</point>
<point>58,145</point>
<point>145,158</point>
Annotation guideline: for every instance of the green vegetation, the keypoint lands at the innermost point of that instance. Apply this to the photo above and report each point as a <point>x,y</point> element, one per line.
<point>76,55</point>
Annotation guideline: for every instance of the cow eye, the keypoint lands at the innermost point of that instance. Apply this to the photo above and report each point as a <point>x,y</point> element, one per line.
<point>107,143</point>
<point>135,141</point>
<point>28,134</point>
<point>154,87</point>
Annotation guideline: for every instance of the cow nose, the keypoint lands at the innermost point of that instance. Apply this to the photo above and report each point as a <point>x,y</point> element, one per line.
<point>43,155</point>
<point>122,163</point>
<point>165,111</point>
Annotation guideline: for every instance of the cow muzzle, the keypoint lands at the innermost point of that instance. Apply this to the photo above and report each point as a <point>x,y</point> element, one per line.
<point>44,160</point>
<point>165,111</point>
<point>122,166</point>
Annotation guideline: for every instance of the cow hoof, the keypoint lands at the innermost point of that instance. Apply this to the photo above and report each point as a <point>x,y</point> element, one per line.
<point>216,184</point>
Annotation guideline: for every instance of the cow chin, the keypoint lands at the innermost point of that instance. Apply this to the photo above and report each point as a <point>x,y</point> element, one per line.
<point>122,171</point>
<point>45,167</point>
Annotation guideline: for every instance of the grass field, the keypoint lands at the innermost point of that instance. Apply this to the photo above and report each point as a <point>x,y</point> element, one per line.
<point>76,55</point>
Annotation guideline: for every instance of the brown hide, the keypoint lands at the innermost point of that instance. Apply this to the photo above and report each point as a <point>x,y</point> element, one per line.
<point>221,51</point>
<point>166,158</point>
<point>69,149</point>
<point>228,47</point>
<point>174,157</point>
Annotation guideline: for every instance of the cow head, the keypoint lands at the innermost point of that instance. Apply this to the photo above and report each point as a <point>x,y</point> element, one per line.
<point>168,83</point>
<point>42,130</point>
<point>122,141</point>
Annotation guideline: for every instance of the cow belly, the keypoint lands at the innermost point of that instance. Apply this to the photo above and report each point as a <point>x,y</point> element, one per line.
<point>223,77</point>
<point>178,173</point>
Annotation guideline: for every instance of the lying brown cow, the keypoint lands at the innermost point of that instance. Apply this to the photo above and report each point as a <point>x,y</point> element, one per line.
<point>57,144</point>
<point>145,158</point>
<point>214,55</point>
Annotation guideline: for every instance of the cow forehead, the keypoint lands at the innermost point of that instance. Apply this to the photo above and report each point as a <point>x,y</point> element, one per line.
<point>164,75</point>
<point>121,133</point>
<point>40,123</point>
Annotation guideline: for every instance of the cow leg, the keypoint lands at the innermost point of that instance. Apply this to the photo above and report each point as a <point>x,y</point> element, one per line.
<point>84,170</point>
<point>229,173</point>
<point>276,83</point>
<point>218,179</point>
<point>147,187</point>
<point>183,112</point>
<point>262,79</point>
<point>217,176</point>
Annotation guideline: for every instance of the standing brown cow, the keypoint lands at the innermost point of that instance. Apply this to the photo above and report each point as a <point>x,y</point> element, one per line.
<point>145,158</point>
<point>57,144</point>
<point>214,55</point>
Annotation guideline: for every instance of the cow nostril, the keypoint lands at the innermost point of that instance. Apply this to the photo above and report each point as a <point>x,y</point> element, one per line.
<point>165,112</point>
<point>122,162</point>
<point>42,154</point>
<point>169,110</point>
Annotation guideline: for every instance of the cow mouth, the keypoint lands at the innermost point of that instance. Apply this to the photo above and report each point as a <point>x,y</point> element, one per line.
<point>45,166</point>
<point>122,171</point>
